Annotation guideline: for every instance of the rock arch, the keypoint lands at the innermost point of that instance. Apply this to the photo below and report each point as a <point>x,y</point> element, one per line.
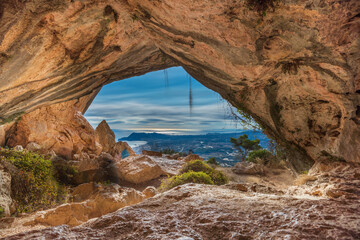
<point>295,70</point>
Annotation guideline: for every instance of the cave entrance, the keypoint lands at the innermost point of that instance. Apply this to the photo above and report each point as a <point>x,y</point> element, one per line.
<point>168,110</point>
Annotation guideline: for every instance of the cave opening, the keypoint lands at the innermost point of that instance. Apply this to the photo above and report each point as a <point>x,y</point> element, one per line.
<point>168,110</point>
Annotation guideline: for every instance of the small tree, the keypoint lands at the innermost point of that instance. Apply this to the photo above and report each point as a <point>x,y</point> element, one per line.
<point>212,160</point>
<point>244,145</point>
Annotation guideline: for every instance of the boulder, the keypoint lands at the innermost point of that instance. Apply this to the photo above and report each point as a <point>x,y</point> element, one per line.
<point>60,127</point>
<point>5,192</point>
<point>105,136</point>
<point>249,168</point>
<point>138,169</point>
<point>33,147</point>
<point>152,153</point>
<point>192,157</point>
<point>91,201</point>
<point>92,168</point>
<point>122,150</point>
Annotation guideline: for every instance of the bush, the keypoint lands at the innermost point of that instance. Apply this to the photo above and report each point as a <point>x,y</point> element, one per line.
<point>262,154</point>
<point>2,212</point>
<point>168,151</point>
<point>199,166</point>
<point>196,166</point>
<point>64,173</point>
<point>33,184</point>
<point>212,161</point>
<point>187,177</point>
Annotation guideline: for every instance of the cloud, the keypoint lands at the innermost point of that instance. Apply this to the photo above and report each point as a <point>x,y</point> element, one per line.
<point>139,106</point>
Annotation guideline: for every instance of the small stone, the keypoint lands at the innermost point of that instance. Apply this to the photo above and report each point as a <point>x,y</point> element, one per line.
<point>19,148</point>
<point>33,147</point>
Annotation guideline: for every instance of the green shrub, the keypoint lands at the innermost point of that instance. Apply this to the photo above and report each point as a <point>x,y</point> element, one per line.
<point>196,166</point>
<point>199,166</point>
<point>212,161</point>
<point>168,151</point>
<point>187,177</point>
<point>65,173</point>
<point>33,184</point>
<point>264,155</point>
<point>2,212</point>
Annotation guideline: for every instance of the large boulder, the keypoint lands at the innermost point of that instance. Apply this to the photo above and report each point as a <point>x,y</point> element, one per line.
<point>138,169</point>
<point>5,192</point>
<point>105,136</point>
<point>60,127</point>
<point>248,168</point>
<point>90,201</point>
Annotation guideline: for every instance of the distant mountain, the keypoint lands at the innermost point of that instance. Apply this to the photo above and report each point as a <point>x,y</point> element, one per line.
<point>207,145</point>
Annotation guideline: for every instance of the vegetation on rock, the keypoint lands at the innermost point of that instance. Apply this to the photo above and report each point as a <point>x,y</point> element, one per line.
<point>263,155</point>
<point>195,172</point>
<point>2,212</point>
<point>244,145</point>
<point>33,182</point>
<point>188,177</point>
<point>212,161</point>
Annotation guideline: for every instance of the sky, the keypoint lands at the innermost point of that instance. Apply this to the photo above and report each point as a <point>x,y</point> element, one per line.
<point>150,103</point>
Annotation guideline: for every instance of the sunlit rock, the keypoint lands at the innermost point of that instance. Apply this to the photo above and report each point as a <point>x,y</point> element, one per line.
<point>138,169</point>
<point>91,200</point>
<point>105,136</point>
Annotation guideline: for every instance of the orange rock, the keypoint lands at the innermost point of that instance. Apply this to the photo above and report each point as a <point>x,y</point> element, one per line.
<point>152,153</point>
<point>105,136</point>
<point>60,127</point>
<point>138,169</point>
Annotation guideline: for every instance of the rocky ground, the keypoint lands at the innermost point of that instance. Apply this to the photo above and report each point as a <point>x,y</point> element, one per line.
<point>322,204</point>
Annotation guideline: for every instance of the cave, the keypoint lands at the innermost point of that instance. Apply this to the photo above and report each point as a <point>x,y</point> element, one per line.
<point>292,66</point>
<point>68,51</point>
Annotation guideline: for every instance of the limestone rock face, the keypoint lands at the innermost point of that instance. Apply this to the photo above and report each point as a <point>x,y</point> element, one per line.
<point>295,70</point>
<point>60,127</point>
<point>138,169</point>
<point>92,200</point>
<point>105,136</point>
<point>5,191</point>
<point>218,212</point>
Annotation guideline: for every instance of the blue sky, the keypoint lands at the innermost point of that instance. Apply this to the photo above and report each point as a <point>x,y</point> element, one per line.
<point>147,104</point>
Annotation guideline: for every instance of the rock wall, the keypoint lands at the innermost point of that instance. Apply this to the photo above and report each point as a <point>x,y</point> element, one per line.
<point>295,69</point>
<point>60,127</point>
